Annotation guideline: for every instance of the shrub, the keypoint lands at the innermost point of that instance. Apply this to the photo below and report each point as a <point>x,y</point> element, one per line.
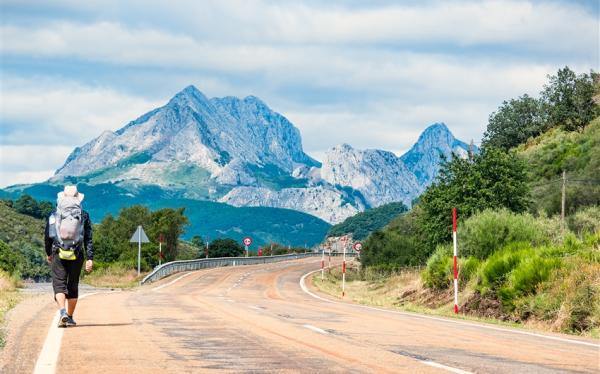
<point>484,233</point>
<point>438,273</point>
<point>467,268</point>
<point>525,278</point>
<point>571,298</point>
<point>496,269</point>
<point>585,221</point>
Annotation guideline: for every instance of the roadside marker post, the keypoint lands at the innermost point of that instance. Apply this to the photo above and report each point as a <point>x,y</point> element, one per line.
<point>455,261</point>
<point>140,237</point>
<point>206,247</point>
<point>247,243</point>
<point>322,263</point>
<point>160,241</point>
<point>344,267</point>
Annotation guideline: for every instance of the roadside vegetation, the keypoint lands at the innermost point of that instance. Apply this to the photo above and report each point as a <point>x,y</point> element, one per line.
<point>9,297</point>
<point>22,254</point>
<point>519,262</point>
<point>364,223</point>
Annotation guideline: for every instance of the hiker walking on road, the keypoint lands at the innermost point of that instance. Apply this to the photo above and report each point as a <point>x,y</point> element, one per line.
<point>68,233</point>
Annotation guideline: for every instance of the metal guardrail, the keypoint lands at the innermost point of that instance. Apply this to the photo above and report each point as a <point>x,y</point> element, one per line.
<point>205,263</point>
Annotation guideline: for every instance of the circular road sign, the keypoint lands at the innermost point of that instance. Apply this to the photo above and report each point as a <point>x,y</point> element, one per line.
<point>247,241</point>
<point>357,246</point>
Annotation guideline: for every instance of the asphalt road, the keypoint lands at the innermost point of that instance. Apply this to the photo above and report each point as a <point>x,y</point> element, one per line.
<point>256,319</point>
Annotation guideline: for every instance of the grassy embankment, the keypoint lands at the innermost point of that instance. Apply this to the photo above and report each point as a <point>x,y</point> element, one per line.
<point>9,297</point>
<point>401,290</point>
<point>526,277</point>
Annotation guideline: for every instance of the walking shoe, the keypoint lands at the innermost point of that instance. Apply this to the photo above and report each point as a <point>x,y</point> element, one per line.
<point>62,320</point>
<point>71,322</point>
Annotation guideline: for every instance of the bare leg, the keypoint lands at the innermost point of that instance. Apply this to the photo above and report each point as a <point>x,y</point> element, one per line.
<point>60,300</point>
<point>71,304</point>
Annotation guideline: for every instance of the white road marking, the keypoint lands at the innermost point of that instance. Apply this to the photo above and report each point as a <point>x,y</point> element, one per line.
<point>564,340</point>
<point>46,362</point>
<point>316,329</point>
<point>444,367</point>
<point>255,307</point>
<point>173,281</point>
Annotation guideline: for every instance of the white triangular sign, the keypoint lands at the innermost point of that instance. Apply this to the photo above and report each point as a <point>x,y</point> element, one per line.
<point>139,236</point>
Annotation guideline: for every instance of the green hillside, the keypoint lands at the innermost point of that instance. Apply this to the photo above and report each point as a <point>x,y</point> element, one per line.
<point>207,219</point>
<point>364,223</point>
<point>22,244</point>
<point>575,152</point>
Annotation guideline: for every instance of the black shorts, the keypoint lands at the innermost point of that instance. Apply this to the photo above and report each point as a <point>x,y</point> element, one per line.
<point>65,276</point>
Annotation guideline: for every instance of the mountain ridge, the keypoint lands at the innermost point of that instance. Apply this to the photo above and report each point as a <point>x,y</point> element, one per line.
<point>243,153</point>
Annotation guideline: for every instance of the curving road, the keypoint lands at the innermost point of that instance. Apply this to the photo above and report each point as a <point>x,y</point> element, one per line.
<point>260,319</point>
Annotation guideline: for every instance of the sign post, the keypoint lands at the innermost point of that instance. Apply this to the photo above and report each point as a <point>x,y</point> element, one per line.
<point>329,257</point>
<point>140,237</point>
<point>322,263</point>
<point>455,261</point>
<point>247,243</point>
<point>344,267</point>
<point>357,247</point>
<point>160,255</point>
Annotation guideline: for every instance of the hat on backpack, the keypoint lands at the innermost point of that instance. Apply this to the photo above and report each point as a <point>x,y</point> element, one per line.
<point>71,191</point>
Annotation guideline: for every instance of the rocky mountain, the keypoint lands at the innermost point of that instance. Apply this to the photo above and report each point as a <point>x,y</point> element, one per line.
<point>435,143</point>
<point>240,152</point>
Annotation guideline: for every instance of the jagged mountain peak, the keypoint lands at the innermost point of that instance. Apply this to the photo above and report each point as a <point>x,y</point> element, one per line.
<point>218,135</point>
<point>435,143</point>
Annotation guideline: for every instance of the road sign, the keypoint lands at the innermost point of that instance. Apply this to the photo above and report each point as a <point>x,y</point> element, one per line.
<point>247,241</point>
<point>140,237</point>
<point>357,246</point>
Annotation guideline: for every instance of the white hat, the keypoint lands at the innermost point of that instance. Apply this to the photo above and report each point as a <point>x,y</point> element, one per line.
<point>71,191</point>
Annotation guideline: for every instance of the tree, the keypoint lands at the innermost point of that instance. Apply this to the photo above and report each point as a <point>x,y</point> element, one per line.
<point>10,260</point>
<point>197,241</point>
<point>568,99</point>
<point>514,122</point>
<point>111,236</point>
<point>225,248</point>
<point>493,179</point>
<point>26,204</point>
<point>170,222</point>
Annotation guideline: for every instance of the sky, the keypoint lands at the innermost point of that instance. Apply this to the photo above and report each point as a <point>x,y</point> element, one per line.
<point>371,74</point>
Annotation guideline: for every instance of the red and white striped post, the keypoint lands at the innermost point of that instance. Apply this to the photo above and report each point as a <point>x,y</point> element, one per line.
<point>455,261</point>
<point>344,268</point>
<point>322,263</point>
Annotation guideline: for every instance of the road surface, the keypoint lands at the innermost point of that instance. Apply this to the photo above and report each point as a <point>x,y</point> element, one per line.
<point>256,319</point>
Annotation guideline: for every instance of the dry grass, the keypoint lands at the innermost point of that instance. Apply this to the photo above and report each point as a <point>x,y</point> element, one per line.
<point>9,297</point>
<point>113,277</point>
<point>401,291</point>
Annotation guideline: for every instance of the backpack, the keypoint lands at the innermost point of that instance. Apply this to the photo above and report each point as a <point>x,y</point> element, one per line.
<point>66,226</point>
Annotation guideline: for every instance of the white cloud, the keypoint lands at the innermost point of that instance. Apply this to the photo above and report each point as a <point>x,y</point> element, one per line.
<point>63,112</point>
<point>30,163</point>
<point>540,26</point>
<point>23,177</point>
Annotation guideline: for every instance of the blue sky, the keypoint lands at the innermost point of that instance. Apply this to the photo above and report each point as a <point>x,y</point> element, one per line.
<point>373,76</point>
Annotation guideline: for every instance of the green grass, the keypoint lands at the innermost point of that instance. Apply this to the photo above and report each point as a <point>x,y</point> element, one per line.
<point>400,291</point>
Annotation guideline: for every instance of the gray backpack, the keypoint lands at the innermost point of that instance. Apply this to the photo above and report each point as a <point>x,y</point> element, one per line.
<point>66,224</point>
